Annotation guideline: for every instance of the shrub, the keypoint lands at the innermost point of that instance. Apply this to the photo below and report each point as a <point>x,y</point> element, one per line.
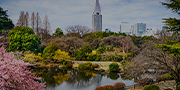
<point>81,53</point>
<point>88,65</point>
<point>158,79</point>
<point>81,66</point>
<point>151,87</point>
<point>96,65</point>
<point>67,64</point>
<point>100,88</point>
<point>108,87</point>
<point>119,85</point>
<point>145,81</point>
<point>49,52</point>
<point>113,67</point>
<point>166,77</point>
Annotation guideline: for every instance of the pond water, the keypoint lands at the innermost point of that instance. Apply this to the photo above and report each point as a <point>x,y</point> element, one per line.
<point>62,79</point>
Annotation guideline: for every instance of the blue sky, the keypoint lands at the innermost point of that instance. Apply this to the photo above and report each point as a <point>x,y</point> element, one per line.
<point>62,13</point>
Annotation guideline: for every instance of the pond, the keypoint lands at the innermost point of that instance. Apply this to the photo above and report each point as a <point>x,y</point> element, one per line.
<point>62,79</point>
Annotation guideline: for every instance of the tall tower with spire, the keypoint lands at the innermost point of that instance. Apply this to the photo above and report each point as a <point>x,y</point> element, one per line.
<point>97,17</point>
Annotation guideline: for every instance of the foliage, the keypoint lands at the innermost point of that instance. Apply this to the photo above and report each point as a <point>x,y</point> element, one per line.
<point>166,77</point>
<point>81,66</point>
<point>91,36</point>
<point>106,87</point>
<point>158,79</point>
<point>95,43</point>
<point>5,22</point>
<point>73,35</point>
<point>151,87</point>
<point>111,40</point>
<point>32,58</point>
<point>58,32</point>
<point>100,88</point>
<point>113,76</point>
<point>145,81</point>
<point>23,39</point>
<point>15,74</point>
<point>87,65</point>
<point>67,64</point>
<point>81,53</point>
<point>61,55</point>
<point>119,85</point>
<point>94,56</point>
<point>113,67</point>
<point>49,52</point>
<point>173,23</point>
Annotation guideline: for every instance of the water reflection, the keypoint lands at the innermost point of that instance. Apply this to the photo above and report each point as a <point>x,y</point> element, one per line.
<point>62,79</point>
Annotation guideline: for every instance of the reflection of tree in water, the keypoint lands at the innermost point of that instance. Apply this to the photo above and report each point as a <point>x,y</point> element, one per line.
<point>113,76</point>
<point>53,76</point>
<point>83,78</point>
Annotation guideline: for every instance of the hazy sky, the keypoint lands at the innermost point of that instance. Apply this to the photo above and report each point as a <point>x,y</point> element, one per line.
<point>62,13</point>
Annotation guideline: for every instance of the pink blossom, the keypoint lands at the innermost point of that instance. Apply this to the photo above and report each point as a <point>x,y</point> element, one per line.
<point>14,74</point>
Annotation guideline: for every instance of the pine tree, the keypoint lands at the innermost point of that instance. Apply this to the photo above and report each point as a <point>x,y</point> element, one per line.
<point>5,22</point>
<point>173,23</point>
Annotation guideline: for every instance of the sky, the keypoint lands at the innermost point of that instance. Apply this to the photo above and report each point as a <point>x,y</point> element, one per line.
<point>64,13</point>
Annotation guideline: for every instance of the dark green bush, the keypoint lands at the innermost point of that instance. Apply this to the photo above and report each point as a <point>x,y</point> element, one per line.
<point>145,81</point>
<point>151,87</point>
<point>113,67</point>
<point>81,53</point>
<point>67,64</point>
<point>86,65</point>
<point>81,66</point>
<point>96,57</point>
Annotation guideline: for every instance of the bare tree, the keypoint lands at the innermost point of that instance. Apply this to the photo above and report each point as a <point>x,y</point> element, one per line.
<point>152,57</point>
<point>33,19</point>
<point>46,31</point>
<point>26,19</point>
<point>38,24</point>
<point>47,26</point>
<point>21,19</point>
<point>78,29</point>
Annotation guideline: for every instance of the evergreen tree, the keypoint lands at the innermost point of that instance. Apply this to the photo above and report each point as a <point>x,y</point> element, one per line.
<point>173,23</point>
<point>5,22</point>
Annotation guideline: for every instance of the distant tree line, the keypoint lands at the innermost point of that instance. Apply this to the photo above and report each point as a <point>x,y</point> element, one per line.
<point>40,29</point>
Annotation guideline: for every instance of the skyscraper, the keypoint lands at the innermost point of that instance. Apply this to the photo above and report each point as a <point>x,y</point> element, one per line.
<point>139,29</point>
<point>125,27</point>
<point>97,17</point>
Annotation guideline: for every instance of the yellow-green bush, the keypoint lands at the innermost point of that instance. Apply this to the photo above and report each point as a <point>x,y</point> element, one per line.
<point>151,87</point>
<point>166,77</point>
<point>32,58</point>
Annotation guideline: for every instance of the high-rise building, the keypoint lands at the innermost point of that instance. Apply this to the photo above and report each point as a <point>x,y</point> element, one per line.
<point>97,17</point>
<point>125,27</point>
<point>139,29</point>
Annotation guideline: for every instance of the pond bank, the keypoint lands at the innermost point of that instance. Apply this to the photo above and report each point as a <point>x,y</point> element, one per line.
<point>170,84</point>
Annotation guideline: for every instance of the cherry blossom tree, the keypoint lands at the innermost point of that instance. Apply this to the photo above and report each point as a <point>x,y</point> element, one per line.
<point>14,73</point>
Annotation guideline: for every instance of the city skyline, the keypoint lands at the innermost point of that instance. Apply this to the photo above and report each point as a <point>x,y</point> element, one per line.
<point>63,13</point>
